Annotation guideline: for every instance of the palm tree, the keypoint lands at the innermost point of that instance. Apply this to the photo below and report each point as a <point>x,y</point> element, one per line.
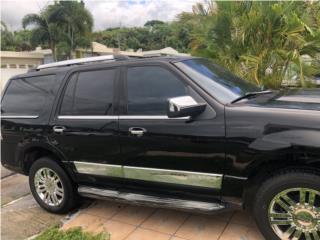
<point>4,26</point>
<point>261,41</point>
<point>75,21</point>
<point>44,32</point>
<point>204,9</point>
<point>7,38</point>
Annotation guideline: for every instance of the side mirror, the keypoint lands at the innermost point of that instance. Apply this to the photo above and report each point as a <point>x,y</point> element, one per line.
<point>184,106</point>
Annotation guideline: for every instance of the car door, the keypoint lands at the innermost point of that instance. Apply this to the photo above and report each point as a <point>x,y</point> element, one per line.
<point>162,153</point>
<point>85,127</point>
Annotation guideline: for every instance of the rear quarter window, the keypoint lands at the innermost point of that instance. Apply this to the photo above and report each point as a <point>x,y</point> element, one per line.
<point>29,96</point>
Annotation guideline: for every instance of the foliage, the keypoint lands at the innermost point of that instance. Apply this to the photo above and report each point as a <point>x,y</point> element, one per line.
<point>155,35</point>
<point>263,42</point>
<point>22,40</point>
<point>43,33</point>
<point>54,233</point>
<point>152,23</point>
<point>14,41</point>
<point>62,26</point>
<point>6,38</point>
<point>74,22</point>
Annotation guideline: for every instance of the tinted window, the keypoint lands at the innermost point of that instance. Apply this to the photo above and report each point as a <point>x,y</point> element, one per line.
<point>219,82</point>
<point>29,96</point>
<point>149,89</point>
<point>89,93</point>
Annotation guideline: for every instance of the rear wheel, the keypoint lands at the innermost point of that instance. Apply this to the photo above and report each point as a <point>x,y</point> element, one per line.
<point>51,187</point>
<point>287,206</point>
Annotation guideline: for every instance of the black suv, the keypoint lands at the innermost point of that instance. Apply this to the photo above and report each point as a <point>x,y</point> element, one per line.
<point>176,132</point>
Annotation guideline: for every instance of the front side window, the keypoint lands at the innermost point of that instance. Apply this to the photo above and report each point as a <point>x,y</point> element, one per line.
<point>89,93</point>
<point>28,96</point>
<point>220,83</point>
<point>149,89</point>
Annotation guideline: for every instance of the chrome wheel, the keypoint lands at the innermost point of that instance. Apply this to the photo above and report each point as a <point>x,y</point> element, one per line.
<point>49,187</point>
<point>294,214</point>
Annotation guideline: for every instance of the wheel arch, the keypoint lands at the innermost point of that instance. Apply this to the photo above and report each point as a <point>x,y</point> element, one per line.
<point>270,169</point>
<point>32,153</point>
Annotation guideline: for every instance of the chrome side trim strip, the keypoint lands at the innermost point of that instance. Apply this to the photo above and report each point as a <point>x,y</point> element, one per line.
<point>20,116</point>
<point>146,117</point>
<point>150,200</point>
<point>88,117</point>
<point>121,117</point>
<point>207,180</point>
<point>99,169</point>
<point>236,177</point>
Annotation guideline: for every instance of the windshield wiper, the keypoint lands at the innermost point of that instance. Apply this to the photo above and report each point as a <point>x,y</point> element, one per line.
<point>250,95</point>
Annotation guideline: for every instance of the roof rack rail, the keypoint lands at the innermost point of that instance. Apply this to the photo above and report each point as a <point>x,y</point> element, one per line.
<point>82,61</point>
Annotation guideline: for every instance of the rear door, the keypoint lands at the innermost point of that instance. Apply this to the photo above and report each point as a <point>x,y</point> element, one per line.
<point>85,127</point>
<point>25,111</point>
<point>163,153</point>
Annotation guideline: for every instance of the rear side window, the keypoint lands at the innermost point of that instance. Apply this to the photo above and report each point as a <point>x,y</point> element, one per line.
<point>89,93</point>
<point>29,96</point>
<point>149,89</point>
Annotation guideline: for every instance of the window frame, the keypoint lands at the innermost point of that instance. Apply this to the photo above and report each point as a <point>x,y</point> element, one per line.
<point>44,109</point>
<point>68,78</point>
<point>124,92</point>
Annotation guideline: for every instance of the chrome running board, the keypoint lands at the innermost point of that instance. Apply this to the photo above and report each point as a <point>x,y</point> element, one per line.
<point>150,200</point>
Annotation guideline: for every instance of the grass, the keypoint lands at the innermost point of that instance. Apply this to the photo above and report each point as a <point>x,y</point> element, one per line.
<point>54,233</point>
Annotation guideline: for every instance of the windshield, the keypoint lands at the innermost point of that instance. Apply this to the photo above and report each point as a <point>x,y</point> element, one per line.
<point>221,84</point>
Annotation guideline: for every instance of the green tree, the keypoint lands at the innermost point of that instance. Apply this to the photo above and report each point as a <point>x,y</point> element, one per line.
<point>22,40</point>
<point>7,38</point>
<point>15,41</point>
<point>43,32</point>
<point>260,41</point>
<point>75,23</point>
<point>62,26</point>
<point>152,23</point>
<point>155,35</point>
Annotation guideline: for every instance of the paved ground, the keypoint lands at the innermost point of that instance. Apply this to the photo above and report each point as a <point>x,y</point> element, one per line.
<point>5,172</point>
<point>143,223</point>
<point>21,218</point>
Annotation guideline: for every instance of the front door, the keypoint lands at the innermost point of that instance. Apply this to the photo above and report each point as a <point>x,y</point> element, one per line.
<point>85,128</point>
<point>163,153</point>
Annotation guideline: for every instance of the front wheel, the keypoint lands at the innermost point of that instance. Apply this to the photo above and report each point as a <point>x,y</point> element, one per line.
<point>287,206</point>
<point>51,187</point>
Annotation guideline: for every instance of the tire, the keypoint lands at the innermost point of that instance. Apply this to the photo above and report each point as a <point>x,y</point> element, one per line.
<point>289,183</point>
<point>59,201</point>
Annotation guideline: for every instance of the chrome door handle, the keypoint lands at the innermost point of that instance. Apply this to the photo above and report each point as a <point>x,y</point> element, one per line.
<point>59,129</point>
<point>137,131</point>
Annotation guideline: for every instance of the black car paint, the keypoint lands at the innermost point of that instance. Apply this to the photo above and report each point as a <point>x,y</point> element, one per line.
<point>237,140</point>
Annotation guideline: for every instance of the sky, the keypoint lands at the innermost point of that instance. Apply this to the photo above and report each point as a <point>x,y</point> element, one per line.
<point>106,13</point>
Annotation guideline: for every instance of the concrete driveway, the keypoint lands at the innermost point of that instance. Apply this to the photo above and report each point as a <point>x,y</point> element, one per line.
<point>22,218</point>
<point>144,223</point>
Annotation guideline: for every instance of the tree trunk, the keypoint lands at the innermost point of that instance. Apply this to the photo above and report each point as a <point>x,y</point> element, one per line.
<point>53,49</point>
